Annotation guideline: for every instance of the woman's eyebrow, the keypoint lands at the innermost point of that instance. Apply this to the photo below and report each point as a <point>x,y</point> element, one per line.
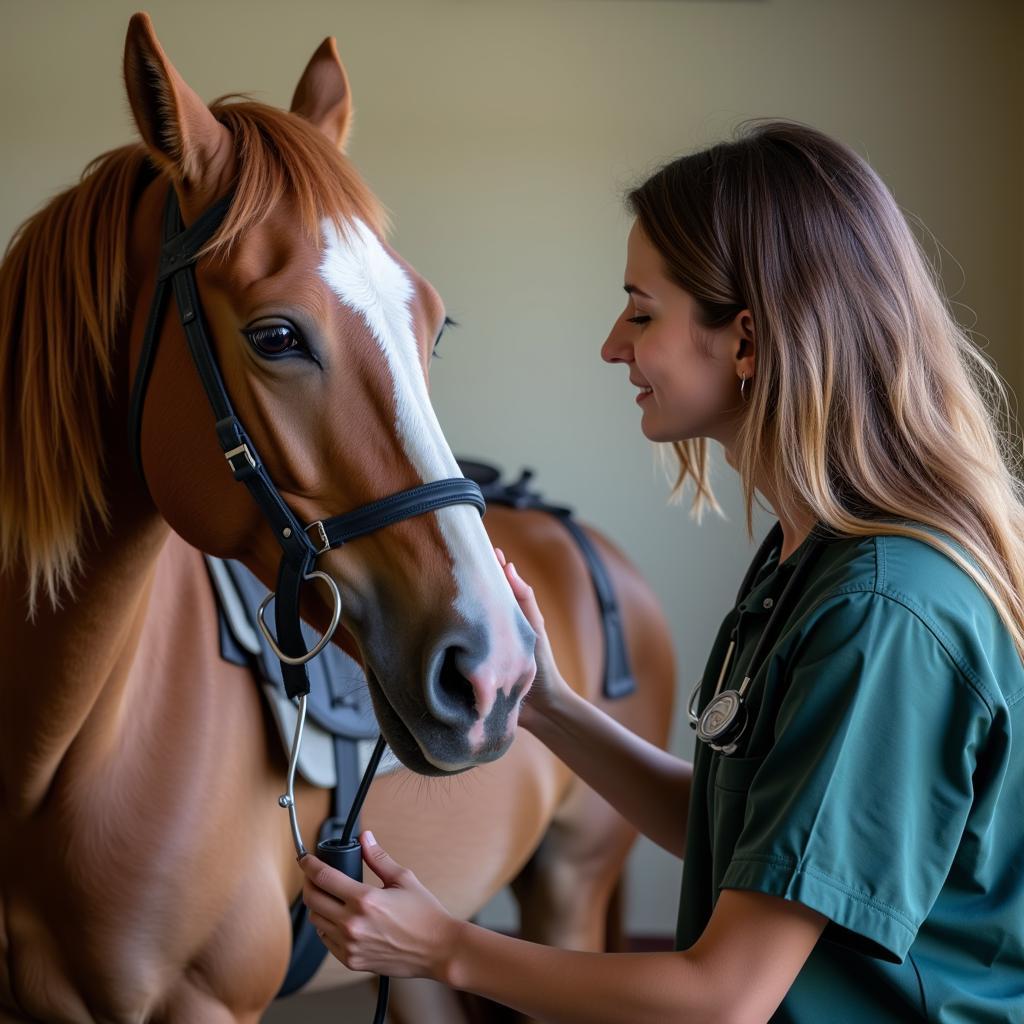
<point>631,289</point>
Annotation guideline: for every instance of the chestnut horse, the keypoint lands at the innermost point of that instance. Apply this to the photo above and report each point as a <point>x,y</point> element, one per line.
<point>146,870</point>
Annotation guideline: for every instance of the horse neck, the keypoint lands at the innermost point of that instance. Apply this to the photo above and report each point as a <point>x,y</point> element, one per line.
<point>66,670</point>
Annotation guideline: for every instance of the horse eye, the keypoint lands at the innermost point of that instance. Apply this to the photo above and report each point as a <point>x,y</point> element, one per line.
<point>274,341</point>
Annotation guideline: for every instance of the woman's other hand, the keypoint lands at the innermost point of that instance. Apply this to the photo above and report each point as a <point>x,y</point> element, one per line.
<point>549,689</point>
<point>400,930</point>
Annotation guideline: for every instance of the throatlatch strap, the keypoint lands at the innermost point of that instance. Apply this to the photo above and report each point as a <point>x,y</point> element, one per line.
<point>146,359</point>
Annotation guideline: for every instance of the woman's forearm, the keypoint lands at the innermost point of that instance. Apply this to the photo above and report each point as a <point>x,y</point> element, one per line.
<point>645,784</point>
<point>566,987</point>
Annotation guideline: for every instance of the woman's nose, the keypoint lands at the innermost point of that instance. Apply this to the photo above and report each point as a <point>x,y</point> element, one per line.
<point>617,347</point>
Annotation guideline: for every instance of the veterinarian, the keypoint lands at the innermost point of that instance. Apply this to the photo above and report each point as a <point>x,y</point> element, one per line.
<point>852,825</point>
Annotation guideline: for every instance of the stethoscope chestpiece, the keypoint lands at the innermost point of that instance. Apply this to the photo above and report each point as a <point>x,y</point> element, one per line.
<point>722,722</point>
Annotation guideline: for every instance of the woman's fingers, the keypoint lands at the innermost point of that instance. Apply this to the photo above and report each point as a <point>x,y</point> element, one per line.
<point>388,870</point>
<point>331,881</point>
<point>320,902</point>
<point>525,596</point>
<point>523,592</point>
<point>400,930</point>
<point>324,926</point>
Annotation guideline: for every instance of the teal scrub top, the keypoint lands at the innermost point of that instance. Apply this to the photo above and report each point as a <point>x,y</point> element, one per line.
<point>880,781</point>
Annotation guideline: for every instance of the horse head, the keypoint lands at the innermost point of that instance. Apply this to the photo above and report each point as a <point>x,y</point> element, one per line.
<point>323,336</point>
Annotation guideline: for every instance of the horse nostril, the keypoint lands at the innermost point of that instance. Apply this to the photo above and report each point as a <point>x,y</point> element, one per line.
<point>454,691</point>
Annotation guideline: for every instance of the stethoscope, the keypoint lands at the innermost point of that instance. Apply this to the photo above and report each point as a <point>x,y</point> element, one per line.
<point>723,721</point>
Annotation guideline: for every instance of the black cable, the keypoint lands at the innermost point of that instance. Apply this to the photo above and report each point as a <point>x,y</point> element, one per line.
<point>384,982</point>
<point>380,1014</point>
<point>364,786</point>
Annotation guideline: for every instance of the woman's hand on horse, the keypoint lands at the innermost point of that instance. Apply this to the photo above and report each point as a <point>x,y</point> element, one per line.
<point>400,930</point>
<point>549,688</point>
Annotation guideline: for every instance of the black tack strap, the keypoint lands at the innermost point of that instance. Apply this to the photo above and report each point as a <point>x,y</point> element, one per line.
<point>181,246</point>
<point>245,464</point>
<point>179,249</point>
<point>405,505</point>
<point>290,577</point>
<point>147,357</point>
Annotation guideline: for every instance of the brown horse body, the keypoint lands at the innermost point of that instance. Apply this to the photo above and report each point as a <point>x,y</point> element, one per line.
<point>146,869</point>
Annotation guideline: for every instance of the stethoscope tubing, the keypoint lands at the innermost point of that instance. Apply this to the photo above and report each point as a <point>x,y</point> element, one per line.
<point>722,722</point>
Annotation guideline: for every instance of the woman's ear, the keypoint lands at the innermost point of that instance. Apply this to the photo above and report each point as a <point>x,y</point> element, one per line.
<point>745,344</point>
<point>323,97</point>
<point>182,136</point>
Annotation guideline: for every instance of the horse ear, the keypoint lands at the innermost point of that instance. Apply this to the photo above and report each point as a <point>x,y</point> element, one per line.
<point>176,125</point>
<point>322,96</point>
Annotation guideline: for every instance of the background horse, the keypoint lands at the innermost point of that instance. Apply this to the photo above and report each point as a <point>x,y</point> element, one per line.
<point>146,870</point>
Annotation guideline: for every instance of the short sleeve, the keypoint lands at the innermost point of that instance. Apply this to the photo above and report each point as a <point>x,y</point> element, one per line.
<point>858,808</point>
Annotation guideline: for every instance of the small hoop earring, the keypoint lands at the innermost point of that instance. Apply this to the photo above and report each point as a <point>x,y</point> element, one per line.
<point>743,386</point>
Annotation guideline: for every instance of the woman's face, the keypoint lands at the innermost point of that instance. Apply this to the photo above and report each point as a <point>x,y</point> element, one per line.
<point>687,376</point>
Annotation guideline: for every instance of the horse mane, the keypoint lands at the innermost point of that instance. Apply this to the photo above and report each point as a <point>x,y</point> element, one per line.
<point>62,303</point>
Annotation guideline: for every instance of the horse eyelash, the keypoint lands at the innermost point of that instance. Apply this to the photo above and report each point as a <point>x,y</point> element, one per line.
<point>448,322</point>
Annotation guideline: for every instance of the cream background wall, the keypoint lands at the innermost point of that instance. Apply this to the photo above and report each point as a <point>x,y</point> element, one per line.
<point>501,133</point>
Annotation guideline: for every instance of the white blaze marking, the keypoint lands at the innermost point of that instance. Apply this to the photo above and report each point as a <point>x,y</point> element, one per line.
<point>364,276</point>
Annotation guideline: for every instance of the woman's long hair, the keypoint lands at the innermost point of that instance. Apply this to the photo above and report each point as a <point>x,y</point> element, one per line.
<point>870,408</point>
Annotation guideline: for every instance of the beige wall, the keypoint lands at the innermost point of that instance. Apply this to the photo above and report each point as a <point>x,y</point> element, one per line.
<point>500,135</point>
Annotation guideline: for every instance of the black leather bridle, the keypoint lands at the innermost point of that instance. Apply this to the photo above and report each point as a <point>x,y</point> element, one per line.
<point>179,251</point>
